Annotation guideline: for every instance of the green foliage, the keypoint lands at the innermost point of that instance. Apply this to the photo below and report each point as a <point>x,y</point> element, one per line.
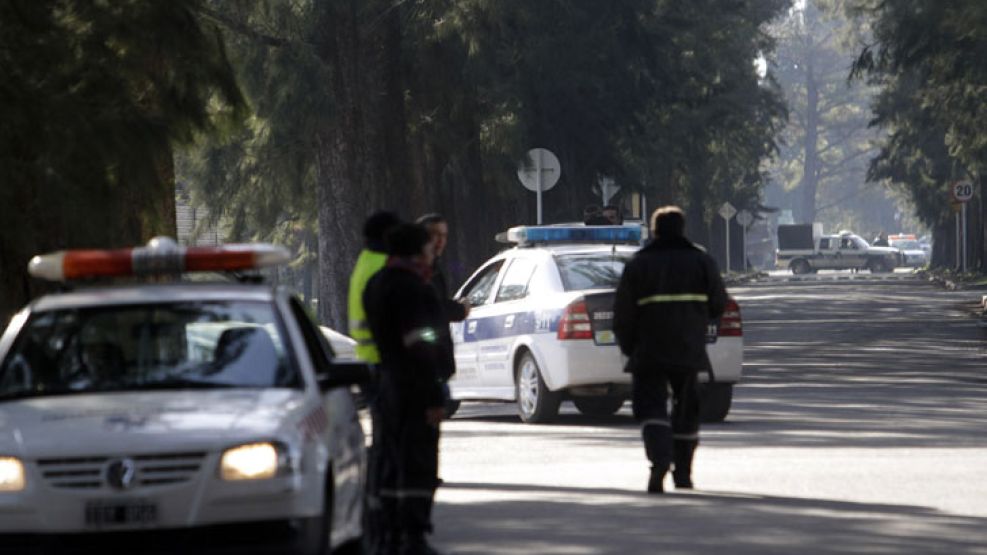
<point>927,58</point>
<point>93,96</point>
<point>821,171</point>
<point>429,106</point>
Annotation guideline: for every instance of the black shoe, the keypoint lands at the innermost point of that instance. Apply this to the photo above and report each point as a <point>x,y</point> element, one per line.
<point>682,483</point>
<point>656,481</point>
<point>416,545</point>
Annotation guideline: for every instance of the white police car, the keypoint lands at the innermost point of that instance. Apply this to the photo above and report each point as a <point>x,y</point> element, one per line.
<point>176,406</point>
<point>910,252</point>
<point>540,330</point>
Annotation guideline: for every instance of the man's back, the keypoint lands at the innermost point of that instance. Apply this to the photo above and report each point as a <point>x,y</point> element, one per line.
<point>668,294</point>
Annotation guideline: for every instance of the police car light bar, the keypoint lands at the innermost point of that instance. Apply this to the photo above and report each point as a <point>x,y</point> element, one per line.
<point>161,256</point>
<point>525,235</point>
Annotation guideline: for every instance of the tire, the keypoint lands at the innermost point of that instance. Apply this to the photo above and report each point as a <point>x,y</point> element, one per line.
<point>598,406</point>
<point>878,267</point>
<point>313,536</point>
<point>714,401</point>
<point>536,404</point>
<point>800,266</point>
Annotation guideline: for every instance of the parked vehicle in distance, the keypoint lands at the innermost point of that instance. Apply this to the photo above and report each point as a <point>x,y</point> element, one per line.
<point>804,249</point>
<point>911,253</point>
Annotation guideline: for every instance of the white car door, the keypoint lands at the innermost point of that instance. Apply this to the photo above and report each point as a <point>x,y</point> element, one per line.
<point>466,335</point>
<point>507,317</point>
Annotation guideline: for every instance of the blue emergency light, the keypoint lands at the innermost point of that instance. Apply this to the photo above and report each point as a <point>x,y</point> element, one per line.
<point>609,234</point>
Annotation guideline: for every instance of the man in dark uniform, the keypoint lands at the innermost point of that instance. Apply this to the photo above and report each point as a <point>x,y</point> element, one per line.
<point>455,311</point>
<point>438,230</point>
<point>666,298</point>
<point>593,215</point>
<point>372,259</point>
<point>408,325</point>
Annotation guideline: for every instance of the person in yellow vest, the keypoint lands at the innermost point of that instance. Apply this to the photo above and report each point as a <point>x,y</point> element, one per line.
<point>372,259</point>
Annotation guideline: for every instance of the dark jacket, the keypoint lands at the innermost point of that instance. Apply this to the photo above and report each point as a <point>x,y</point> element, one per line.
<point>454,311</point>
<point>411,332</point>
<point>667,296</point>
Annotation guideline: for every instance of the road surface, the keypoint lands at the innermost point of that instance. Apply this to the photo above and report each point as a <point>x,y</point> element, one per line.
<point>861,427</point>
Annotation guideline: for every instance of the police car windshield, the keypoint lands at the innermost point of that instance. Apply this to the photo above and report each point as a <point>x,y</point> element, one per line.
<point>591,271</point>
<point>160,346</point>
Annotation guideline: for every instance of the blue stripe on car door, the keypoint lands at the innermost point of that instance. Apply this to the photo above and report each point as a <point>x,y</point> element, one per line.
<point>492,327</point>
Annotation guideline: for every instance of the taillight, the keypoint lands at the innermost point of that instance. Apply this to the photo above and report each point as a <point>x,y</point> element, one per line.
<point>731,324</point>
<point>575,323</point>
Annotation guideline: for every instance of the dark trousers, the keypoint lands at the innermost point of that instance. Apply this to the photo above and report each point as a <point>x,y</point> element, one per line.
<point>668,438</point>
<point>406,468</point>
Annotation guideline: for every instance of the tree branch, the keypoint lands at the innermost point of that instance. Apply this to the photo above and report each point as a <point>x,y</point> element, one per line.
<point>241,28</point>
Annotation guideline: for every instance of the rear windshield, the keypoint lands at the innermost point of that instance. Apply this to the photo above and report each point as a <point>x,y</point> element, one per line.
<point>591,271</point>
<point>161,346</point>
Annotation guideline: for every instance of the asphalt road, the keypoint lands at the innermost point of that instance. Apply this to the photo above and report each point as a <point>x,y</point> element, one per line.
<point>861,427</point>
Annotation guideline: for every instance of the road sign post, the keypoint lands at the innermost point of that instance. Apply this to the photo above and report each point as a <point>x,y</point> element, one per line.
<point>539,172</point>
<point>744,218</point>
<point>962,193</point>
<point>727,211</point>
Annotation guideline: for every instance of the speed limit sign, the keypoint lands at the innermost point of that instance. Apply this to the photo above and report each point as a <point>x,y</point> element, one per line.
<point>962,191</point>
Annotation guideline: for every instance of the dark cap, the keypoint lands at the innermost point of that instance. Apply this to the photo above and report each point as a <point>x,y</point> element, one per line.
<point>406,240</point>
<point>376,226</point>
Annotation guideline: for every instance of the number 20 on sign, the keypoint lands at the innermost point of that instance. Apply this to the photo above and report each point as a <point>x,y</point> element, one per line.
<point>962,191</point>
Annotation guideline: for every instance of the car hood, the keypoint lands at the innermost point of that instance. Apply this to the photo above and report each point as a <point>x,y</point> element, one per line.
<point>882,250</point>
<point>913,252</point>
<point>148,422</point>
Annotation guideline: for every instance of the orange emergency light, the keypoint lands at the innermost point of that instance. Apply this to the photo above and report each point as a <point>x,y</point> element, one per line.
<point>162,255</point>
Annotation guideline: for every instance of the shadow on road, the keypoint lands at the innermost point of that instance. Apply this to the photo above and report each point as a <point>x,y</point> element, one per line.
<point>553,520</point>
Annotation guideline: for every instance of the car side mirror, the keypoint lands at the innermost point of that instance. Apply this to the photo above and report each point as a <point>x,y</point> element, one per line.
<point>344,374</point>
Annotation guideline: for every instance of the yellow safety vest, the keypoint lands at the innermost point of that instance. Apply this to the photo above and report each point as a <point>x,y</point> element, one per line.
<point>369,263</point>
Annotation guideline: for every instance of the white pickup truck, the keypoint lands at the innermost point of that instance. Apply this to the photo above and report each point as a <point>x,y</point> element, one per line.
<point>805,253</point>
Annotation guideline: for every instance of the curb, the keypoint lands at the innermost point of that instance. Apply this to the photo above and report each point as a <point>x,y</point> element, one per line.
<point>740,279</point>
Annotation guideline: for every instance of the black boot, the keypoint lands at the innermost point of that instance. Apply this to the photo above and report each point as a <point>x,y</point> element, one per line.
<point>655,482</point>
<point>682,471</point>
<point>415,544</point>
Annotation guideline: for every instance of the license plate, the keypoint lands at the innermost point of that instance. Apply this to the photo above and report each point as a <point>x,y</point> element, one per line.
<point>605,337</point>
<point>101,514</point>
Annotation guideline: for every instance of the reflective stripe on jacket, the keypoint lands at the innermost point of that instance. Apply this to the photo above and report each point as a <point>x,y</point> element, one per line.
<point>369,263</point>
<point>667,295</point>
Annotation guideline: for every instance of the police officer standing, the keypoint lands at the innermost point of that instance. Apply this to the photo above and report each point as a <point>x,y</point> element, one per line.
<point>408,325</point>
<point>455,311</point>
<point>666,298</point>
<point>371,260</point>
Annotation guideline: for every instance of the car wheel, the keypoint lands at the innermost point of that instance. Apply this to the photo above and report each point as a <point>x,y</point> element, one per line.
<point>598,406</point>
<point>878,266</point>
<point>314,533</point>
<point>714,401</point>
<point>536,404</point>
<point>800,267</point>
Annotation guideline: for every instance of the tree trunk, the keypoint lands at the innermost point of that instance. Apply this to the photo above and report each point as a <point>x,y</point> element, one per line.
<point>810,169</point>
<point>341,180</point>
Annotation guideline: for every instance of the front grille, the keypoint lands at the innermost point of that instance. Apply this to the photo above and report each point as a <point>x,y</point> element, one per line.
<point>150,470</point>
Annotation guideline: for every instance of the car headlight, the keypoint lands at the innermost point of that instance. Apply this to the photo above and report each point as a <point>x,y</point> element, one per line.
<point>253,461</point>
<point>11,474</point>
